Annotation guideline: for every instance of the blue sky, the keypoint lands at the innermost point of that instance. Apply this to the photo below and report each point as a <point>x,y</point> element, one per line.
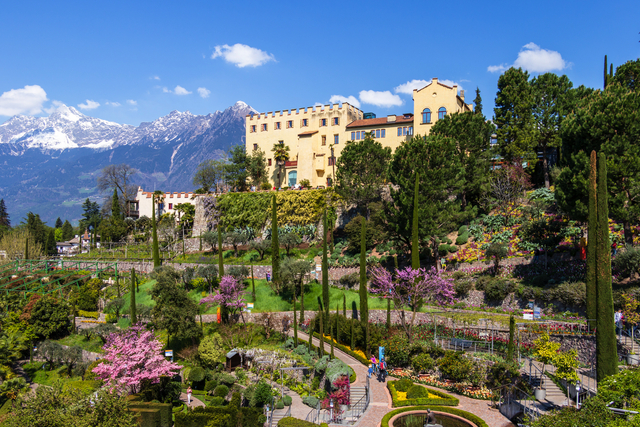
<point>134,61</point>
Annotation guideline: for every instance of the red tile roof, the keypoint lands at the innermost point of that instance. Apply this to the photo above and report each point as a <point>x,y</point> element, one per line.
<point>311,132</point>
<point>380,121</point>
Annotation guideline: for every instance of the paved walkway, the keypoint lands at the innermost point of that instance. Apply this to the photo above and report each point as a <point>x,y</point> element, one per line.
<point>194,400</point>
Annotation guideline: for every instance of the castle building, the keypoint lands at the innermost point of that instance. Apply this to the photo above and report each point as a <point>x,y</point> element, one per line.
<point>317,135</point>
<point>142,205</point>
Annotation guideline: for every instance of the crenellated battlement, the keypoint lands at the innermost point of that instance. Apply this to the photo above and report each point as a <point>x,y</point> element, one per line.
<point>310,111</point>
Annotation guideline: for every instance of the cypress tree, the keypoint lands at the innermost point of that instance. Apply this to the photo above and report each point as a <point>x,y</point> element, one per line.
<point>321,346</point>
<point>354,310</point>
<point>364,304</point>
<point>605,72</point>
<point>26,247</point>
<point>311,329</point>
<point>320,306</point>
<point>220,258</point>
<point>325,269</point>
<point>51,242</point>
<point>606,345</point>
<point>154,236</point>
<point>275,242</point>
<point>344,305</point>
<point>295,321</point>
<point>333,356</point>
<point>415,255</point>
<point>353,335</point>
<point>301,303</point>
<point>510,346</point>
<point>200,238</point>
<point>337,323</point>
<point>253,284</point>
<point>132,309</point>
<point>592,228</point>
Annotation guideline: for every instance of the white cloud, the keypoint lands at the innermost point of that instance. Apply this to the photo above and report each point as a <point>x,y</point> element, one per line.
<point>54,106</point>
<point>132,102</point>
<point>204,92</point>
<point>380,98</point>
<point>408,87</point>
<point>335,99</point>
<point>534,59</point>
<point>165,90</point>
<point>27,100</point>
<point>90,105</point>
<point>113,104</point>
<point>242,55</point>
<point>179,90</point>
<point>154,78</point>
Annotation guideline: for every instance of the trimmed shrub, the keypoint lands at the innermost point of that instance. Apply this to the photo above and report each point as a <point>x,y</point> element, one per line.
<point>455,366</point>
<point>294,422</point>
<point>464,414</point>
<point>462,239</point>
<point>311,401</point>
<point>226,379</point>
<point>221,391</point>
<point>403,385</point>
<point>422,363</point>
<point>196,374</point>
<point>262,394</point>
<point>462,288</point>
<point>216,401</point>
<point>287,400</point>
<point>210,385</point>
<point>349,280</point>
<point>416,392</point>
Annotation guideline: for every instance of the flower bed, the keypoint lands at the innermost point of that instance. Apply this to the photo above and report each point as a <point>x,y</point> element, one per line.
<point>459,412</point>
<point>357,354</point>
<point>463,389</point>
<point>434,398</point>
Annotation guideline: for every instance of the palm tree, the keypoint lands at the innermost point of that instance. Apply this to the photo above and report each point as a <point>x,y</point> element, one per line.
<point>12,388</point>
<point>281,155</point>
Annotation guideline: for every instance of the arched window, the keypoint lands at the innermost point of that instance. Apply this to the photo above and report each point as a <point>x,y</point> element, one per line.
<point>426,116</point>
<point>293,178</point>
<point>441,113</point>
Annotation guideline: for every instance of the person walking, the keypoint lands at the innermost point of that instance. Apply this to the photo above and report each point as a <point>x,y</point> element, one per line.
<point>383,370</point>
<point>189,391</point>
<point>374,362</point>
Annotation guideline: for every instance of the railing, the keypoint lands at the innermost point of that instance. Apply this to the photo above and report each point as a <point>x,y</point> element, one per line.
<point>314,415</point>
<point>510,394</point>
<point>269,412</point>
<point>359,408</point>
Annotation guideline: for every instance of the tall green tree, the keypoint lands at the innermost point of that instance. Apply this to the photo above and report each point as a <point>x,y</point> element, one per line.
<point>90,215</point>
<point>511,345</point>
<point>4,215</point>
<point>275,242</point>
<point>209,175</point>
<point>37,229</point>
<point>58,222</point>
<point>435,158</point>
<point>67,231</point>
<point>606,343</point>
<point>605,122</point>
<point>51,242</point>
<point>551,96</point>
<point>592,231</point>
<point>132,306</point>
<point>361,172</point>
<point>472,133</point>
<point>628,75</point>
<point>325,269</point>
<point>477,102</point>
<point>513,115</point>
<point>257,167</point>
<point>236,168</point>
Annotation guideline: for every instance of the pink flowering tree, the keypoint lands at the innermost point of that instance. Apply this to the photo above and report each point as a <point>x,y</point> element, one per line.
<point>230,294</point>
<point>411,289</point>
<point>134,359</point>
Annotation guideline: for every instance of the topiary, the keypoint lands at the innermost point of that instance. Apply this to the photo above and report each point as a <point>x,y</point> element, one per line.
<point>416,392</point>
<point>462,239</point>
<point>216,401</point>
<point>403,385</point>
<point>226,379</point>
<point>210,385</point>
<point>279,404</point>
<point>221,391</point>
<point>311,401</point>
<point>287,400</point>
<point>197,374</point>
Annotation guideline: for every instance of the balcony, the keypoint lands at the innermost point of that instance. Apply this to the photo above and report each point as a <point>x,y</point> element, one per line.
<point>291,164</point>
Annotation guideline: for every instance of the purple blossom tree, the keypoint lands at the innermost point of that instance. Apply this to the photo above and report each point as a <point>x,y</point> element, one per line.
<point>411,289</point>
<point>230,294</point>
<point>134,358</point>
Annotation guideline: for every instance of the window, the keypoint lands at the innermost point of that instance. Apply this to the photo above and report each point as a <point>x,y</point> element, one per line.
<point>305,122</point>
<point>263,127</point>
<point>377,133</point>
<point>253,128</point>
<point>399,131</point>
<point>404,131</point>
<point>426,116</point>
<point>324,139</point>
<point>170,205</point>
<point>323,122</point>
<point>410,130</point>
<point>358,135</point>
<point>353,136</point>
<point>336,139</point>
<point>382,133</point>
<point>441,113</point>
<point>255,147</point>
<point>269,162</point>
<point>277,125</point>
<point>289,124</point>
<point>332,161</point>
<point>335,121</point>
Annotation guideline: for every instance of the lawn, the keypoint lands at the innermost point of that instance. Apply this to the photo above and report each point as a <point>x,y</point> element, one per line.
<point>245,257</point>
<point>45,377</point>
<point>93,345</point>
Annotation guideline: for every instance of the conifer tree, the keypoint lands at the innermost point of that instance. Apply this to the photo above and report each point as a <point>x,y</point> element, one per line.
<point>325,269</point>
<point>154,233</point>
<point>275,242</point>
<point>4,216</point>
<point>51,242</point>
<point>606,345</point>
<point>364,304</point>
<point>321,346</point>
<point>478,102</point>
<point>333,356</point>
<point>26,247</point>
<point>253,285</point>
<point>295,321</point>
<point>132,309</point>
<point>57,225</point>
<point>415,252</point>
<point>311,329</point>
<point>592,228</point>
<point>353,335</point>
<point>344,305</point>
<point>511,345</point>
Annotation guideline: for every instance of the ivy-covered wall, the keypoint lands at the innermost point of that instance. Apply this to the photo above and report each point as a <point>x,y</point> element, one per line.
<point>241,210</point>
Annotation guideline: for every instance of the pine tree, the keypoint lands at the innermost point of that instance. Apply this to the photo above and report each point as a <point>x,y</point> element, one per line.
<point>478,102</point>
<point>325,269</point>
<point>154,235</point>
<point>337,323</point>
<point>511,345</point>
<point>67,231</point>
<point>606,344</point>
<point>132,308</point>
<point>364,304</point>
<point>275,242</point>
<point>591,244</point>
<point>415,252</point>
<point>58,222</point>
<point>51,242</point>
<point>4,216</point>
<point>311,329</point>
<point>605,72</point>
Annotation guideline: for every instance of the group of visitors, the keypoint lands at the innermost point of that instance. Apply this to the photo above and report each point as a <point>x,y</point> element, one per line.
<point>378,367</point>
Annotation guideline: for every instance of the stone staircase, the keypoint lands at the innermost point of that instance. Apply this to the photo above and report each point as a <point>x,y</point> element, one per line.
<point>278,414</point>
<point>356,394</point>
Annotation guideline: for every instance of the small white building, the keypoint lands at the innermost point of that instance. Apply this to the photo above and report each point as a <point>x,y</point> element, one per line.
<point>143,203</point>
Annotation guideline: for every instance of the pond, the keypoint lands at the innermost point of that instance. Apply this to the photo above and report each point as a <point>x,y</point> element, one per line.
<point>419,420</point>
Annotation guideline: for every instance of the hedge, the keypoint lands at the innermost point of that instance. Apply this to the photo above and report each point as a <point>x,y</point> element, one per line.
<point>459,412</point>
<point>147,417</point>
<point>446,399</point>
<point>88,314</point>
<point>223,416</point>
<point>164,410</point>
<point>294,422</point>
<point>345,349</point>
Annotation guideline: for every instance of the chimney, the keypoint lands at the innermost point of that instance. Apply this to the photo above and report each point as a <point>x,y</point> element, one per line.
<point>462,94</point>
<point>391,118</point>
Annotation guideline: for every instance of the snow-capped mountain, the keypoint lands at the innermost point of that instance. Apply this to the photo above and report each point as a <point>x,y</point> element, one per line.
<point>49,164</point>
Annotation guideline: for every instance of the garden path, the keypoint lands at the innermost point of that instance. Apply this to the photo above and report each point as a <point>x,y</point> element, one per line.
<point>17,368</point>
<point>195,402</point>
